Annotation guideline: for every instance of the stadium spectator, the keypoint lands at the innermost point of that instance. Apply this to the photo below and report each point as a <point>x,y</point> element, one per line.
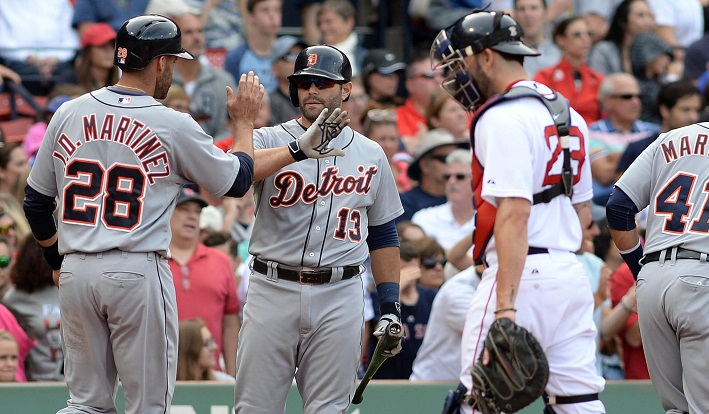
<point>177,99</point>
<point>9,356</point>
<point>336,22</point>
<point>381,74</point>
<point>679,104</point>
<point>39,47</point>
<point>438,358</point>
<point>442,13</point>
<point>619,96</point>
<point>13,163</point>
<point>416,304</point>
<point>9,323</point>
<point>357,104</point>
<point>679,22</point>
<point>34,300</point>
<point>5,262</point>
<point>204,279</point>
<point>451,221</point>
<point>380,125</point>
<point>445,112</point>
<point>263,22</point>
<point>409,231</point>
<point>612,54</point>
<point>421,84</point>
<point>7,73</point>
<point>195,361</point>
<point>222,22</point>
<point>285,51</point>
<point>94,67</point>
<point>427,168</point>
<point>431,261</point>
<point>204,83</point>
<point>530,14</point>
<point>634,362</point>
<point>571,76</point>
<point>651,57</point>
<point>113,12</point>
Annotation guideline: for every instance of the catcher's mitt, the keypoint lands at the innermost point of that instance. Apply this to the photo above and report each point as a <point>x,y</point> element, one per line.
<point>516,373</point>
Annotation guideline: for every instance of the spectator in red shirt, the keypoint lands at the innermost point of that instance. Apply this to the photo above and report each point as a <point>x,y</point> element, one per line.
<point>571,76</point>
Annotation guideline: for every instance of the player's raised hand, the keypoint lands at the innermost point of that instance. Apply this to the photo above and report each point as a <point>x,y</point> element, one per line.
<point>245,104</point>
<point>315,141</point>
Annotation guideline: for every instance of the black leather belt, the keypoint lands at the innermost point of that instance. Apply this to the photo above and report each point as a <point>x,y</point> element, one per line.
<point>681,254</point>
<point>537,250</point>
<point>309,277</point>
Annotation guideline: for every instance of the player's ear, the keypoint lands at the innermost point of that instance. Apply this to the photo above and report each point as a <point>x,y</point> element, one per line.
<point>346,91</point>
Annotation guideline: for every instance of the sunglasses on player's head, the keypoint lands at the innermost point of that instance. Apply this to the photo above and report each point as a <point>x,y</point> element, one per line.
<point>4,261</point>
<point>431,262</point>
<point>320,83</point>
<point>381,115</point>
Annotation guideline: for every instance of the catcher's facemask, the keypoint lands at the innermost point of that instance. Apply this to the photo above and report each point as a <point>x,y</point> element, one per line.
<point>456,80</point>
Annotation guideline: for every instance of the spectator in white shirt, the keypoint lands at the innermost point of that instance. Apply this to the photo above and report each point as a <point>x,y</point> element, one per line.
<point>453,220</point>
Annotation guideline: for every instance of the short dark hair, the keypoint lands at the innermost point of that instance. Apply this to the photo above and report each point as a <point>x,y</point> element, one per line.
<point>672,92</point>
<point>544,4</point>
<point>251,4</point>
<point>562,26</point>
<point>419,55</point>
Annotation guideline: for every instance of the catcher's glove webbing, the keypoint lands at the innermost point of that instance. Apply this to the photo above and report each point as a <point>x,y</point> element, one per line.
<point>516,373</point>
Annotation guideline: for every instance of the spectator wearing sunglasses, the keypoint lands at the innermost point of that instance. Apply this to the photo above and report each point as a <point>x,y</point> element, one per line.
<point>421,84</point>
<point>34,300</point>
<point>450,222</point>
<point>416,303</point>
<point>194,354</point>
<point>381,127</point>
<point>5,261</point>
<point>619,96</point>
<point>428,168</point>
<point>285,51</point>
<point>8,227</point>
<point>432,260</point>
<point>572,77</point>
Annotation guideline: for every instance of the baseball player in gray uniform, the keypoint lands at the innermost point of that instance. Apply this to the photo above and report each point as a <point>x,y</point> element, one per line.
<point>316,223</point>
<point>671,177</point>
<point>116,158</point>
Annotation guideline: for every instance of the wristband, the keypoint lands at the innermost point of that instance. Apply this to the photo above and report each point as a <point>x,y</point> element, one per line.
<point>388,292</point>
<point>296,152</point>
<point>632,257</point>
<point>390,308</point>
<point>52,256</point>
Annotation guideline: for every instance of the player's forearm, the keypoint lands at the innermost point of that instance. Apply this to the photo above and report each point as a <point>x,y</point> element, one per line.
<point>625,239</point>
<point>511,245</point>
<point>385,264</point>
<point>268,161</point>
<point>230,340</point>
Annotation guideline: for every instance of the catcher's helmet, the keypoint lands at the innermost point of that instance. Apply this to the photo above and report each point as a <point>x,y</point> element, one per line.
<point>143,38</point>
<point>472,34</point>
<point>321,60</point>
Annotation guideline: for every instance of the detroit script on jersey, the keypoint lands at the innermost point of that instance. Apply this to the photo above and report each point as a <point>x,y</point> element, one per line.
<point>292,186</point>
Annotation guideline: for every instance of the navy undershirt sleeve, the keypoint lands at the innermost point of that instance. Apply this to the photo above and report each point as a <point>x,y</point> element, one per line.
<point>244,178</point>
<point>381,236</point>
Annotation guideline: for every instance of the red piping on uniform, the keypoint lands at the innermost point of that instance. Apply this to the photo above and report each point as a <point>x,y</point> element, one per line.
<point>507,89</point>
<point>477,344</point>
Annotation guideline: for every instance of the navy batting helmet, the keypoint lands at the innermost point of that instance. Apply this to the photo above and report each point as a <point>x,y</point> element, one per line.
<point>323,61</point>
<point>472,34</point>
<point>143,38</point>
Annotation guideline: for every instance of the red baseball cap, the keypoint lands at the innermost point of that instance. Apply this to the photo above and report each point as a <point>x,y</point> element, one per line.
<point>97,34</point>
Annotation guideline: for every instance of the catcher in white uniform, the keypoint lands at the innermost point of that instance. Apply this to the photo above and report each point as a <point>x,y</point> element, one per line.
<point>532,192</point>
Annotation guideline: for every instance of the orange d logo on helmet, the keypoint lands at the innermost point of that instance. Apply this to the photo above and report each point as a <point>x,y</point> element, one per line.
<point>312,59</point>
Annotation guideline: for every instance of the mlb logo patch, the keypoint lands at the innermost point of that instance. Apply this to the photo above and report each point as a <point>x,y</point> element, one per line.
<point>124,100</point>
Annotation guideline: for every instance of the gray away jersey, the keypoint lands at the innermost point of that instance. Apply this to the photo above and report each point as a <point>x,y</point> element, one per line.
<point>316,213</point>
<point>117,162</point>
<point>672,177</point>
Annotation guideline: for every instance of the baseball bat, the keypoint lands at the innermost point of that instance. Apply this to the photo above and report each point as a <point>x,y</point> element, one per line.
<point>393,333</point>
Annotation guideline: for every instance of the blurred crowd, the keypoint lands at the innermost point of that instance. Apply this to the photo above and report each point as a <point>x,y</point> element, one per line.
<point>633,69</point>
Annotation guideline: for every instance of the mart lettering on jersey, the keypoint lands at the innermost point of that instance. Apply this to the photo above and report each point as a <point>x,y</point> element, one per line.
<point>127,131</point>
<point>292,187</point>
<point>686,147</point>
